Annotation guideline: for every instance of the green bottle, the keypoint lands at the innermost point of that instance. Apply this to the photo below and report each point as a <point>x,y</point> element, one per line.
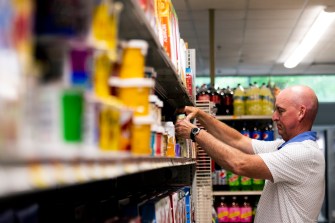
<point>257,184</point>
<point>233,181</point>
<point>72,113</point>
<point>246,183</point>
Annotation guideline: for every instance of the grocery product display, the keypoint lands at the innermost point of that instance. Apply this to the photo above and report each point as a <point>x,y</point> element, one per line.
<point>235,209</point>
<point>239,101</point>
<point>91,102</point>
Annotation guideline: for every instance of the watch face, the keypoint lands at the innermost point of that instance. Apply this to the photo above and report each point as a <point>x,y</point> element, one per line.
<point>195,130</point>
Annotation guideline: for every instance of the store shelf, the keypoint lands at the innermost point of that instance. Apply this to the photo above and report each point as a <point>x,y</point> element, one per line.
<point>135,25</point>
<point>244,117</point>
<point>26,176</point>
<point>236,193</point>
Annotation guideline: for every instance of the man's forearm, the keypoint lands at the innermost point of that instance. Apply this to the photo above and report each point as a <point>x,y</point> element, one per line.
<point>224,133</point>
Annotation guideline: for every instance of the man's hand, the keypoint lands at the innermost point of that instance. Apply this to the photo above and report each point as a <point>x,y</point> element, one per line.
<point>183,128</point>
<point>190,111</point>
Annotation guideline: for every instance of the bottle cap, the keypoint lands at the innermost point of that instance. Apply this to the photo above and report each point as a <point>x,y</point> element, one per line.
<point>137,43</point>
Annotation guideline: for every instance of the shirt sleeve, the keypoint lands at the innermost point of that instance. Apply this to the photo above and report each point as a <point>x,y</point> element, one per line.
<point>265,146</point>
<point>290,164</point>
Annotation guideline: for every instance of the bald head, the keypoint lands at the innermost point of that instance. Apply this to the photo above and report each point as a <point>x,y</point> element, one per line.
<point>302,96</point>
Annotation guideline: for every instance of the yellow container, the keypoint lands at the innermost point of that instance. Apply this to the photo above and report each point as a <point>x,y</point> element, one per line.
<point>140,135</point>
<point>109,128</point>
<point>133,59</point>
<point>134,93</point>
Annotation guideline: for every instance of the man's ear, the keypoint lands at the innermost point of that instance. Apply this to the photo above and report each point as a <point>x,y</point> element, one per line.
<point>302,112</point>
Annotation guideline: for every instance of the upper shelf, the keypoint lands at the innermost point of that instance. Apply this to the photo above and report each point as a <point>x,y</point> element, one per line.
<point>135,25</point>
<point>243,117</point>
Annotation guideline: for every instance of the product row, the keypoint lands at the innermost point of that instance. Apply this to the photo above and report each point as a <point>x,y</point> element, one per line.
<point>234,209</point>
<point>84,87</point>
<point>171,205</point>
<point>228,181</point>
<point>253,100</point>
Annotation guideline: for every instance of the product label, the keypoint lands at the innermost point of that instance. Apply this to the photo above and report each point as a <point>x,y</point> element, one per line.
<point>233,180</point>
<point>223,214</point>
<point>245,180</point>
<point>234,214</point>
<point>268,135</point>
<point>256,134</point>
<point>246,214</point>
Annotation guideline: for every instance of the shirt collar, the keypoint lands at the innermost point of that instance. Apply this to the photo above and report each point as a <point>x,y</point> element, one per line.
<point>309,135</point>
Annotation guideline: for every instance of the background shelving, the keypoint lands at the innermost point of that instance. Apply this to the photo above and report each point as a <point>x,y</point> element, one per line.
<point>236,193</point>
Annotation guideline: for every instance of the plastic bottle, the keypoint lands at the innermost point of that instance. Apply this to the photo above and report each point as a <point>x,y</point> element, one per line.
<point>233,181</point>
<point>270,101</point>
<point>268,133</point>
<point>257,184</point>
<point>246,210</point>
<point>182,142</point>
<point>171,140</point>
<point>245,131</point>
<point>246,183</point>
<point>248,99</point>
<point>256,132</point>
<point>203,94</point>
<point>216,99</point>
<point>256,105</point>
<point>263,99</point>
<point>228,101</point>
<point>234,211</point>
<point>266,100</point>
<point>239,103</point>
<point>222,210</point>
<point>133,59</point>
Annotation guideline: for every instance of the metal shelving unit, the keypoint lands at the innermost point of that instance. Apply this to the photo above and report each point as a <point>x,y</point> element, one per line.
<point>27,172</point>
<point>203,177</point>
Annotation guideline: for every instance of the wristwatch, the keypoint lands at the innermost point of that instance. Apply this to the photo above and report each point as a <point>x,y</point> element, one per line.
<point>194,132</point>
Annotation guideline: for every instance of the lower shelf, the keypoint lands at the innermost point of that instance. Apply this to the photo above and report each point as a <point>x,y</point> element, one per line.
<point>236,193</point>
<point>29,176</point>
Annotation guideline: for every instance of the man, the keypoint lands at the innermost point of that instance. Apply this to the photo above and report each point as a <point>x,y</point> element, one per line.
<point>294,167</point>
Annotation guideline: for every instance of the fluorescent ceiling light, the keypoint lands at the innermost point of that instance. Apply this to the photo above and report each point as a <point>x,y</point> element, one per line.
<point>320,25</point>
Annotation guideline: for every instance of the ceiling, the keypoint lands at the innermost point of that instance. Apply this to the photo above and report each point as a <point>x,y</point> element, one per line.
<point>254,37</point>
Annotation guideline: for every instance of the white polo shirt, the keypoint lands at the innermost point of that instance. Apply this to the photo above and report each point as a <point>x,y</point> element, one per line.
<point>298,171</point>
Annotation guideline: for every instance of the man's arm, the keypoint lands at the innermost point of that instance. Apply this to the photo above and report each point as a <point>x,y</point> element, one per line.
<point>220,130</point>
<point>232,159</point>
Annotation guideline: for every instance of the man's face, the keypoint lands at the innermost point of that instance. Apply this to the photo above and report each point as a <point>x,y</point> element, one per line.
<point>285,116</point>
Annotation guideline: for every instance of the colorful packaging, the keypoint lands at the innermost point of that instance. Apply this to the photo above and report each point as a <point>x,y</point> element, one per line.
<point>80,59</point>
<point>233,181</point>
<point>134,92</point>
<point>234,211</point>
<point>102,69</point>
<point>246,183</point>
<point>163,7</point>
<point>157,210</point>
<point>189,81</point>
<point>104,33</point>
<point>133,59</point>
<point>109,128</point>
<point>140,135</point>
<point>72,113</point>
<point>171,139</point>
